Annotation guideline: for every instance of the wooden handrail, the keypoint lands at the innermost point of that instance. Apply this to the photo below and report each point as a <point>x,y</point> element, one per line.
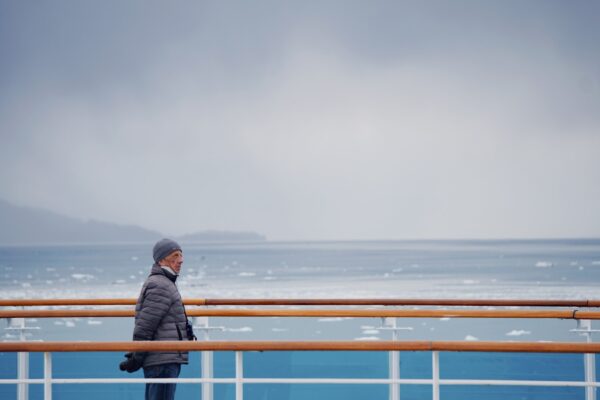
<point>529,347</point>
<point>402,313</point>
<point>404,302</point>
<point>312,302</point>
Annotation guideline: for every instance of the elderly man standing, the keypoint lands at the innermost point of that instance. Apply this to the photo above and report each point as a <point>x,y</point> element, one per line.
<point>160,315</point>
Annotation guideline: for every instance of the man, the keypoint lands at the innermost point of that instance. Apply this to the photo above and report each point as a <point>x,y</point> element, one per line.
<point>159,315</point>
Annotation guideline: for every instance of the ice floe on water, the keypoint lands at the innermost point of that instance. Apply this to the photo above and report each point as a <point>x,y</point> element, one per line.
<point>333,319</point>
<point>367,338</point>
<point>247,274</point>
<point>370,332</point>
<point>83,277</point>
<point>544,264</point>
<point>242,329</point>
<point>518,332</point>
<point>471,338</point>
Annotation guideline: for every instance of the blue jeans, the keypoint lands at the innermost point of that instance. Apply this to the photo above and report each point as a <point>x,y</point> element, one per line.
<point>161,391</point>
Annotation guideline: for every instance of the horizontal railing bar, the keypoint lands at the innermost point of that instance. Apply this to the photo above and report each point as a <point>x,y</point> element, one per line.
<point>528,347</point>
<point>517,383</point>
<point>402,313</point>
<point>382,381</point>
<point>424,381</point>
<point>405,302</point>
<point>310,302</point>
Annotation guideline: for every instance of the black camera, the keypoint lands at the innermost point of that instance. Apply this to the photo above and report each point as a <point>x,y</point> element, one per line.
<point>189,330</point>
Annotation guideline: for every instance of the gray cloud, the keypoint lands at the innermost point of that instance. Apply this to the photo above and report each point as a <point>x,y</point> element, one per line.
<point>338,120</point>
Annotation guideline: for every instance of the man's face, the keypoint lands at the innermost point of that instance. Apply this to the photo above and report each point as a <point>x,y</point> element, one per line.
<point>173,261</point>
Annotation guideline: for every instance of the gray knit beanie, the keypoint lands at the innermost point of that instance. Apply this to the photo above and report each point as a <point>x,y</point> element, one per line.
<point>163,248</point>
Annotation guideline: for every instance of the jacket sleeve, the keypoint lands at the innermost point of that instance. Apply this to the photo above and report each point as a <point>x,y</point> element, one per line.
<point>155,304</point>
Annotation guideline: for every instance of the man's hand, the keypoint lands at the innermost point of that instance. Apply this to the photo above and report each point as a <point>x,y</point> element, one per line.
<point>131,363</point>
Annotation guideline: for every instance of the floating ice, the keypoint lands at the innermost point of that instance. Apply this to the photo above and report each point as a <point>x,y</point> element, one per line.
<point>70,324</point>
<point>470,281</point>
<point>333,319</point>
<point>279,330</point>
<point>445,319</point>
<point>246,274</point>
<point>94,322</point>
<point>82,276</point>
<point>367,338</point>
<point>134,258</point>
<point>516,332</point>
<point>543,264</point>
<point>242,329</point>
<point>471,338</point>
<point>370,332</point>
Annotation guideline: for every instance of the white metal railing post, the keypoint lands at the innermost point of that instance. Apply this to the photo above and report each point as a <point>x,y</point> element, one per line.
<point>239,375</point>
<point>47,376</point>
<point>390,323</point>
<point>589,362</point>
<point>584,327</point>
<point>206,360</point>
<point>394,361</point>
<point>206,357</point>
<point>22,361</point>
<point>435,371</point>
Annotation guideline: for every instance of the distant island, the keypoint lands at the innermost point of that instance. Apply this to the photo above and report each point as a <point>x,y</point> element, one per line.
<point>26,226</point>
<point>220,236</point>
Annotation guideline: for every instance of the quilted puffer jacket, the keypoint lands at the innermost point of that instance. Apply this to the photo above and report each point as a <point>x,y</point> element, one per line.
<point>159,315</point>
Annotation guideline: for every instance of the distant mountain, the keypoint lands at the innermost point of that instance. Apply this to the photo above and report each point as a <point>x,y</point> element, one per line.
<point>221,236</point>
<point>25,225</point>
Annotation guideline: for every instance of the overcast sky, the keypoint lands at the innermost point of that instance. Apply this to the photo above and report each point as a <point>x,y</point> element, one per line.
<point>306,119</point>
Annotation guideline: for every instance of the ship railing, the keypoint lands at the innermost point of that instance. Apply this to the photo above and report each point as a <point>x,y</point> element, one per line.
<point>240,347</point>
<point>314,302</point>
<point>206,347</point>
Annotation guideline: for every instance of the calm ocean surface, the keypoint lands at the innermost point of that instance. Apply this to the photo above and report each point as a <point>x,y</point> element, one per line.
<point>557,269</point>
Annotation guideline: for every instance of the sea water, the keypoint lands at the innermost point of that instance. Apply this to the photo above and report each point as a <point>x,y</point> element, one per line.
<point>540,269</point>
